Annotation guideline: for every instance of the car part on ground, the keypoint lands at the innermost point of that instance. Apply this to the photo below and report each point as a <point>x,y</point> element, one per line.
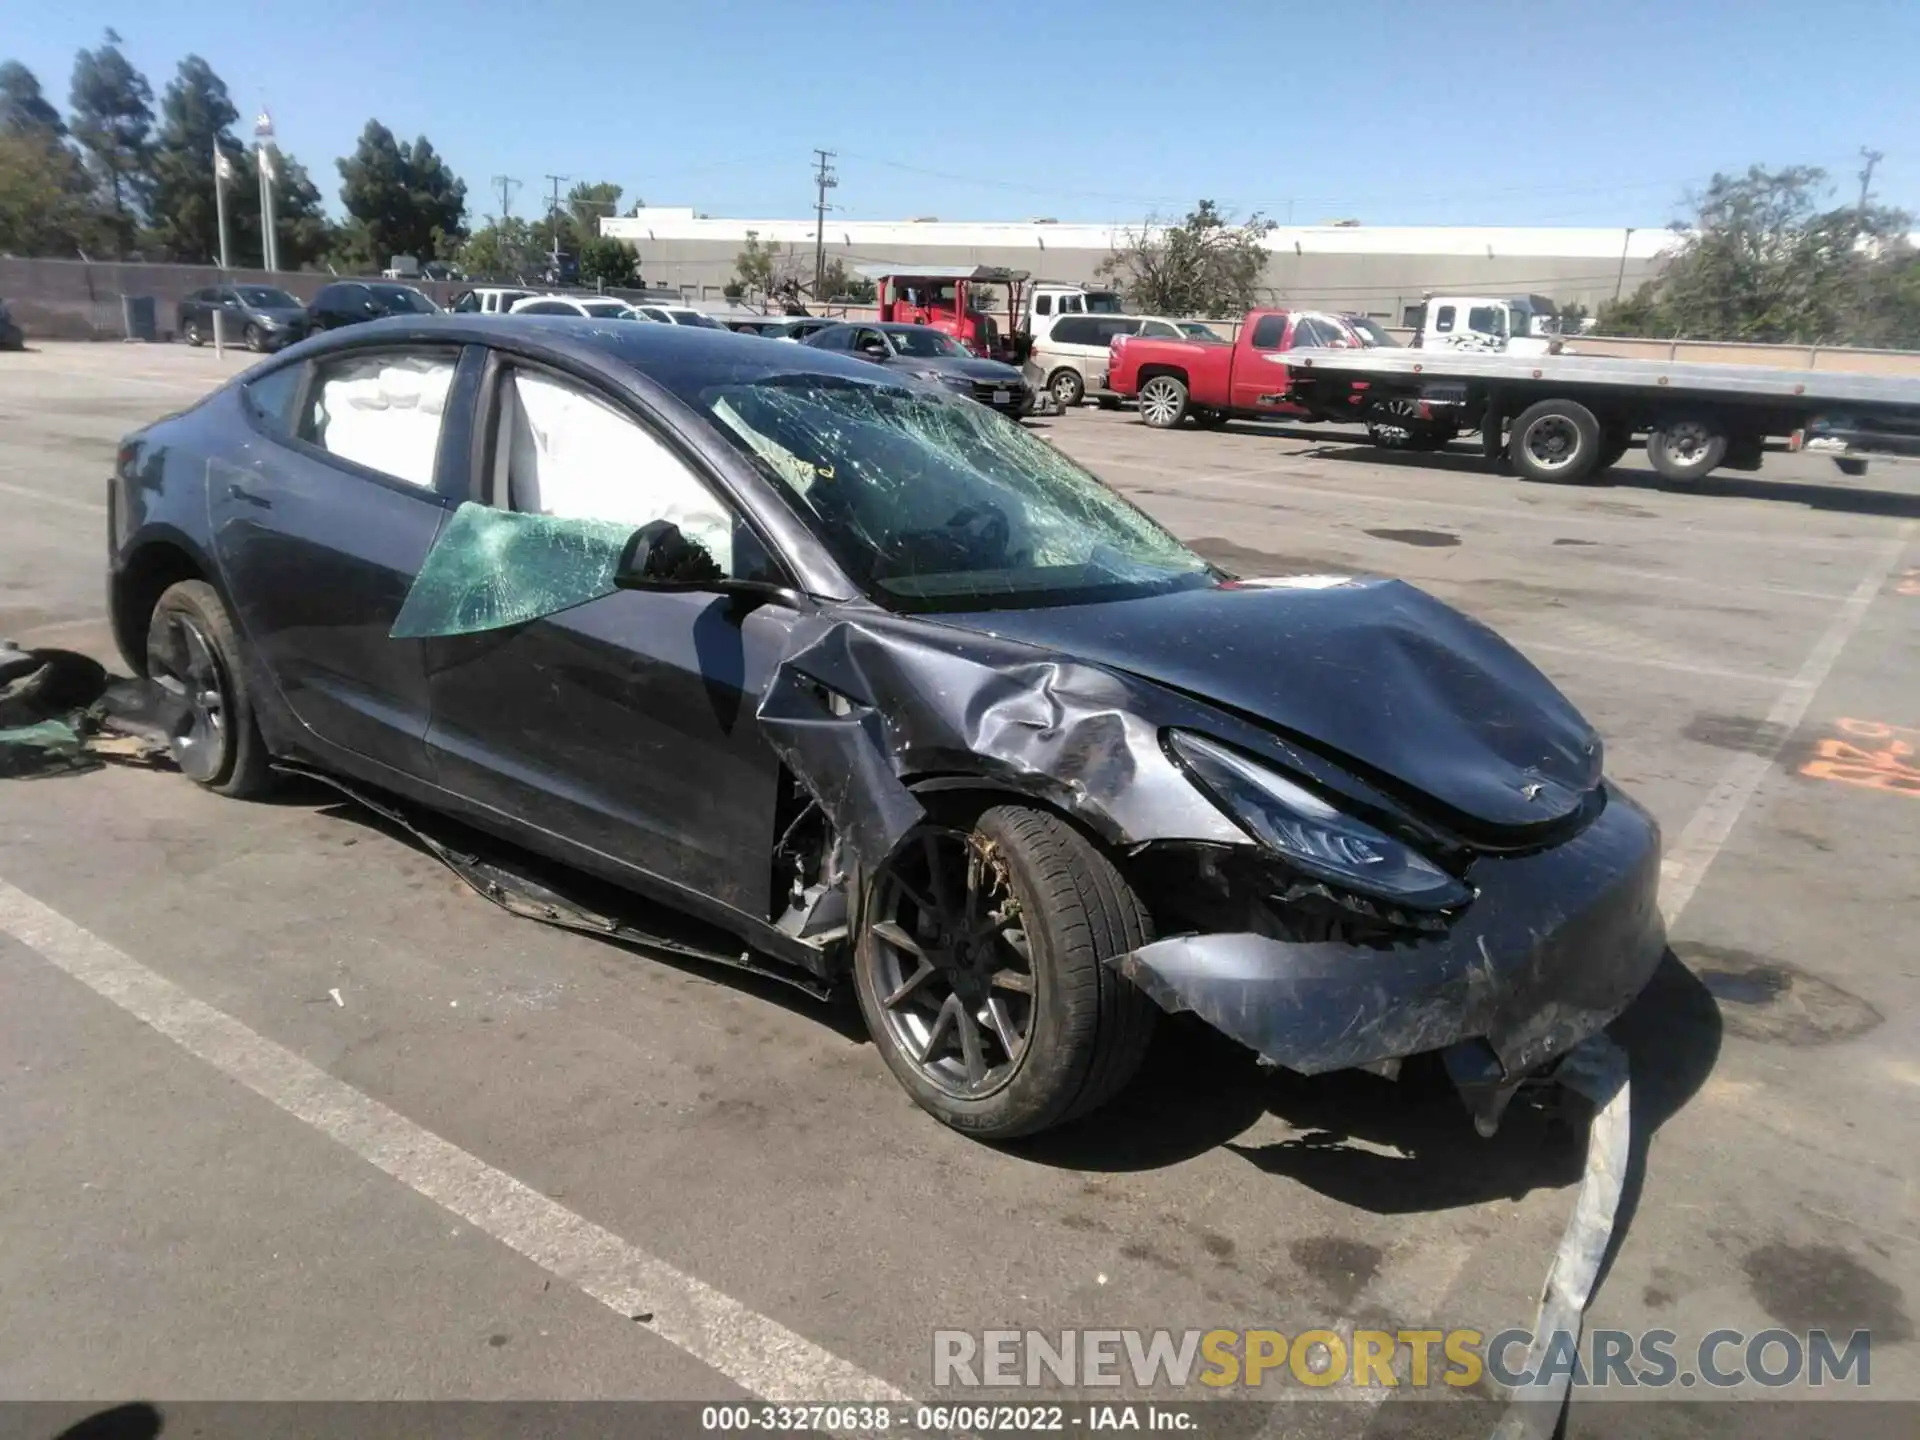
<point>61,713</point>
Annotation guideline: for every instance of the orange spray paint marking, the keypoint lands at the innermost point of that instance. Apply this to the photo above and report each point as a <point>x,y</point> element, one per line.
<point>1885,768</point>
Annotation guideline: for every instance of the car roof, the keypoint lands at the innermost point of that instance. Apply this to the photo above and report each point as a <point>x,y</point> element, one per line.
<point>675,356</point>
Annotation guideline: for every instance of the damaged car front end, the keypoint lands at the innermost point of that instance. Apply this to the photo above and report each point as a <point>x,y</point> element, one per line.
<point>889,691</point>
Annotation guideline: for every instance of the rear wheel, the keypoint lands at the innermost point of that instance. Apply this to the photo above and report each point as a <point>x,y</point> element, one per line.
<point>1555,440</point>
<point>981,972</point>
<point>1163,402</point>
<point>194,656</point>
<point>1686,449</point>
<point>1067,387</point>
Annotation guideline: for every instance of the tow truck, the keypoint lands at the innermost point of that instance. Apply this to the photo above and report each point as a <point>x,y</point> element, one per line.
<point>1568,417</point>
<point>943,296</point>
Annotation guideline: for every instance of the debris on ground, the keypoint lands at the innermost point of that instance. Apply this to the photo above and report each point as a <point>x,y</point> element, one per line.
<point>61,713</point>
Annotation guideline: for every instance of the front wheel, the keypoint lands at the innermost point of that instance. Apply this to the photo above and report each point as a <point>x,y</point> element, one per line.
<point>1163,402</point>
<point>981,971</point>
<point>191,334</point>
<point>1067,387</point>
<point>256,339</point>
<point>1686,449</point>
<point>193,656</point>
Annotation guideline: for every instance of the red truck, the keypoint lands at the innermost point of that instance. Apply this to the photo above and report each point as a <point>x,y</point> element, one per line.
<point>1247,380</point>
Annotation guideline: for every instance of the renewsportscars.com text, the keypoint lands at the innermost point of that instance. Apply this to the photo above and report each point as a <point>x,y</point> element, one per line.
<point>1392,1359</point>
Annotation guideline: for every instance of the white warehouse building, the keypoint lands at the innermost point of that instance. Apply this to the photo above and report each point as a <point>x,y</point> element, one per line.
<point>1378,270</point>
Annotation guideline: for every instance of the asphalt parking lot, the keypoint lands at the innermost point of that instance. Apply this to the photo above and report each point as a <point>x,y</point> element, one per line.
<point>683,1139</point>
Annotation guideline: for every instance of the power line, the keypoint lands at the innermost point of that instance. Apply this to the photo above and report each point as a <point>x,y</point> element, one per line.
<point>824,180</point>
<point>553,217</point>
<point>506,185</point>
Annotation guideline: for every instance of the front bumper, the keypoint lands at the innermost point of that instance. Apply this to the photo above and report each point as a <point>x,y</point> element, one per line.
<point>1555,945</point>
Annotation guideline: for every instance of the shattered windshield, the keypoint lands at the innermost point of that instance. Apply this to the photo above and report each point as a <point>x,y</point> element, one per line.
<point>935,503</point>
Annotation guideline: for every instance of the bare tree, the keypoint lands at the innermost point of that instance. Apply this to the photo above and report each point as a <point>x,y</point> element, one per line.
<point>1206,265</point>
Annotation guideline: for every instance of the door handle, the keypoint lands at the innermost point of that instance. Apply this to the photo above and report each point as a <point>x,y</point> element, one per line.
<point>248,497</point>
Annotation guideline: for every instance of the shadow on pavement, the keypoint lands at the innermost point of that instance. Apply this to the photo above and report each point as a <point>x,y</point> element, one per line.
<point>1390,1147</point>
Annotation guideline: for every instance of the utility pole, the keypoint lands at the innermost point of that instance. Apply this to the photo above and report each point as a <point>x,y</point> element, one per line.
<point>506,185</point>
<point>1873,158</point>
<point>1620,281</point>
<point>824,180</point>
<point>553,219</point>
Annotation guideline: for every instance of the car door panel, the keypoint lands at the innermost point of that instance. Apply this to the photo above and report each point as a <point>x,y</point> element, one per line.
<point>1259,368</point>
<point>626,725</point>
<point>318,555</point>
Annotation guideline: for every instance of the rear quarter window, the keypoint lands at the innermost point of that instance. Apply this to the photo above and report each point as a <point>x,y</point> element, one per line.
<point>1268,332</point>
<point>270,397</point>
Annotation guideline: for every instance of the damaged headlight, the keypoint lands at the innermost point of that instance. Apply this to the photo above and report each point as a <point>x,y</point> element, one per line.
<point>1312,835</point>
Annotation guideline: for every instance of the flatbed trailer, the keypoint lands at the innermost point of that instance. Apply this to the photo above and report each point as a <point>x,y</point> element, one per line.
<point>1567,417</point>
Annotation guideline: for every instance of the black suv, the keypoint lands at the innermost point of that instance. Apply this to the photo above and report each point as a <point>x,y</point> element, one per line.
<point>261,317</point>
<point>348,302</point>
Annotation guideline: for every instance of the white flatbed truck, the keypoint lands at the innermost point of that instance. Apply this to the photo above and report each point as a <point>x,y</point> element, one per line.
<point>1567,417</point>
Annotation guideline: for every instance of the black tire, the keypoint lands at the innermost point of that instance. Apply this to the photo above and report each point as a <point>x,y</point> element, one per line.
<point>1209,419</point>
<point>1555,440</point>
<point>1107,402</point>
<point>1851,464</point>
<point>1088,1027</point>
<point>1686,448</point>
<point>256,338</point>
<point>1066,387</point>
<point>1615,441</point>
<point>1163,401</point>
<point>191,334</point>
<point>226,756</point>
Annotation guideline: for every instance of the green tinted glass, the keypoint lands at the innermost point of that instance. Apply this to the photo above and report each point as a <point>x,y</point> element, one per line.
<point>491,569</point>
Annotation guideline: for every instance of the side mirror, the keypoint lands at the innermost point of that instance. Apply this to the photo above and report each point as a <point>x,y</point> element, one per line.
<point>874,352</point>
<point>659,557</point>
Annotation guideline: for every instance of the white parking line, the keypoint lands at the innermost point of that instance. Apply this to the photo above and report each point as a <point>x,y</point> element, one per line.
<point>1687,859</point>
<point>756,1353</point>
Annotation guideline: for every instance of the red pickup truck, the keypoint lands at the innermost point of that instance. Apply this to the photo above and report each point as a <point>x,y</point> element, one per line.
<point>1247,380</point>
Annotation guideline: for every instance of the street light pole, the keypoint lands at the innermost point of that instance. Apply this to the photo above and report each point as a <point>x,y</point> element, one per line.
<point>1620,282</point>
<point>269,224</point>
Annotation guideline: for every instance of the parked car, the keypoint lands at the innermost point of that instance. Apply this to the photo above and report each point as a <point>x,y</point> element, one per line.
<point>261,317</point>
<point>1173,379</point>
<point>353,302</point>
<point>12,337</point>
<point>677,315</point>
<point>488,300</point>
<point>932,356</point>
<point>592,307</point>
<point>783,327</point>
<point>1068,356</point>
<point>885,692</point>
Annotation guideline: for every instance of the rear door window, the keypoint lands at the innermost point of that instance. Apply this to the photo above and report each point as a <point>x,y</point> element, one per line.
<point>382,412</point>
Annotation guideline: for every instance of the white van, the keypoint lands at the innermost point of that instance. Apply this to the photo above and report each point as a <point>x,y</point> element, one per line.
<point>1068,357</point>
<point>1049,298</point>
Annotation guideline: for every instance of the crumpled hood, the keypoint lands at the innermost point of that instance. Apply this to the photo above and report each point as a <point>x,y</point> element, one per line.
<point>1411,692</point>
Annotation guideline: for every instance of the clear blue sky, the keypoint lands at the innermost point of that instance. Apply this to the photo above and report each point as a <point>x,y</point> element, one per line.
<point>1393,111</point>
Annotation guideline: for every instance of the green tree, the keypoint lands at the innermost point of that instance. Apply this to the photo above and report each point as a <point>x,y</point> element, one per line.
<point>497,251</point>
<point>401,199</point>
<point>587,205</point>
<point>1206,265</point>
<point>302,231</point>
<point>839,283</point>
<point>770,271</point>
<point>196,114</point>
<point>112,106</point>
<point>45,198</point>
<point>24,107</point>
<point>1767,257</point>
<point>610,261</point>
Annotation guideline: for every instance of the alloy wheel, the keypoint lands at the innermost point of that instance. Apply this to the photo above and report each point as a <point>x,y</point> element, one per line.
<point>953,964</point>
<point>182,663</point>
<point>1159,401</point>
